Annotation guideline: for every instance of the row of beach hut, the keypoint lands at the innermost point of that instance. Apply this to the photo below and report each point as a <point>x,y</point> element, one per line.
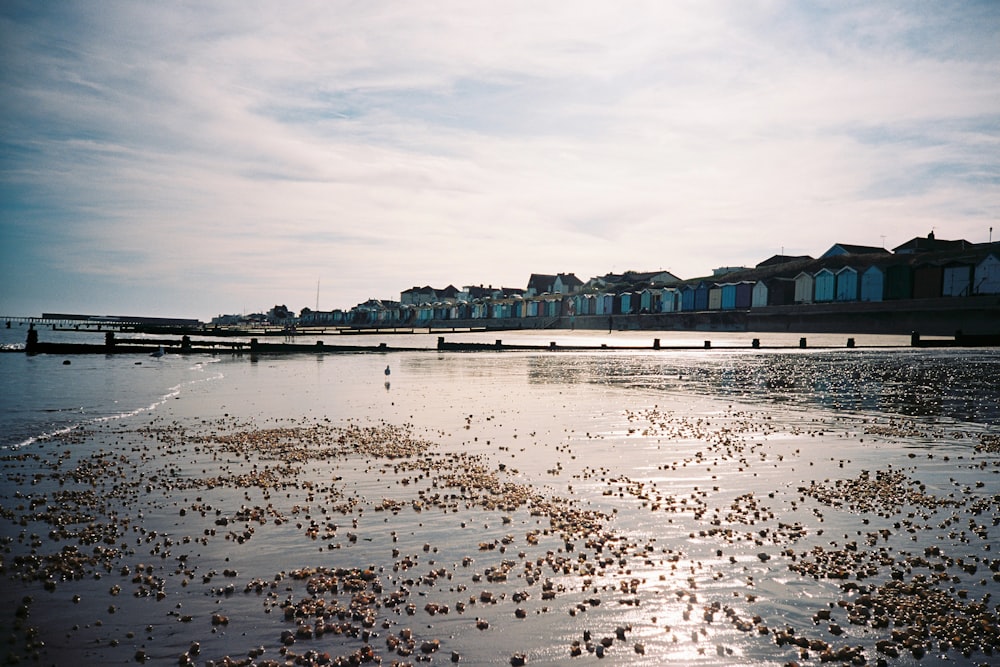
<point>877,281</point>
<point>848,283</point>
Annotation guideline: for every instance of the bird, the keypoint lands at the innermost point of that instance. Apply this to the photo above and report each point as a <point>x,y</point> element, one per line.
<point>387,370</point>
<point>159,352</point>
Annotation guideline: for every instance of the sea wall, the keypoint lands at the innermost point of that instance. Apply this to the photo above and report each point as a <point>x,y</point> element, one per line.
<point>931,317</point>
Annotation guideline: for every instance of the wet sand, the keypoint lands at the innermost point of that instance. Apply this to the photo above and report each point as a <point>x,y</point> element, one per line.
<point>488,510</point>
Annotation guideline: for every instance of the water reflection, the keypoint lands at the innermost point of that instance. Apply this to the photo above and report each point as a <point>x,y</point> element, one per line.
<point>953,384</point>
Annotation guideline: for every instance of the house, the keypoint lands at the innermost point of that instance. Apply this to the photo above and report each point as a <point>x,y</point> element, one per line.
<point>778,260</point>
<point>804,287</point>
<point>560,283</point>
<point>929,244</point>
<point>540,283</point>
<point>838,249</point>
<point>847,284</point>
<point>986,279</point>
<point>473,292</point>
<point>825,285</point>
<point>566,283</point>
<point>427,294</point>
<point>872,284</point>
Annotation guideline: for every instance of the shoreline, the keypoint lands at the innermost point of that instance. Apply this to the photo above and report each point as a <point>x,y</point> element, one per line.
<point>681,534</point>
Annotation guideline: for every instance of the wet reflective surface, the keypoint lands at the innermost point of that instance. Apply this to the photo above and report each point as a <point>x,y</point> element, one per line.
<point>704,507</point>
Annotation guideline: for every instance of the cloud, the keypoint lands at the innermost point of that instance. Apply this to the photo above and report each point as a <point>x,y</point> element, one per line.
<point>215,156</point>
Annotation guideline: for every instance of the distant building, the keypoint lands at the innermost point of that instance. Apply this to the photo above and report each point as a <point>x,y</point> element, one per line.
<point>560,283</point>
<point>427,294</point>
<point>725,270</point>
<point>777,260</point>
<point>929,244</point>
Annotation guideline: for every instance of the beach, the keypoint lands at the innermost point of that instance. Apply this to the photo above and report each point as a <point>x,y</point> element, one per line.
<point>711,507</point>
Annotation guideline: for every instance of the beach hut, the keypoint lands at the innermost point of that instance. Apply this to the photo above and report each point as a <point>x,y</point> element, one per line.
<point>602,306</point>
<point>625,303</point>
<point>728,296</point>
<point>956,279</point>
<point>773,292</point>
<point>649,300</point>
<point>804,286</point>
<point>744,294</point>
<point>927,280</point>
<point>668,300</point>
<point>701,295</point>
<point>760,292</point>
<point>715,297</point>
<point>872,284</point>
<point>986,279</point>
<point>825,285</point>
<point>608,301</point>
<point>686,298</point>
<point>847,284</point>
<point>898,282</point>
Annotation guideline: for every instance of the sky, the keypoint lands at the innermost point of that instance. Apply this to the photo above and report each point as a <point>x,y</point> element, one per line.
<point>189,159</point>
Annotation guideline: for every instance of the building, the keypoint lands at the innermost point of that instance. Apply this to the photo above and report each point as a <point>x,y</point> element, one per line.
<point>929,243</point>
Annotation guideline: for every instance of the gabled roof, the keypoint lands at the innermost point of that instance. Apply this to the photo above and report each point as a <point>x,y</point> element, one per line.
<point>848,249</point>
<point>775,260</point>
<point>541,282</point>
<point>569,279</point>
<point>929,244</point>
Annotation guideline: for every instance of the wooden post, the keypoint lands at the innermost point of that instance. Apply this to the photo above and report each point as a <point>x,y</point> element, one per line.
<point>31,345</point>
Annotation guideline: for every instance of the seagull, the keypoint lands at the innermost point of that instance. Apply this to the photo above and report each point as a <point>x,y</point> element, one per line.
<point>387,370</point>
<point>159,352</point>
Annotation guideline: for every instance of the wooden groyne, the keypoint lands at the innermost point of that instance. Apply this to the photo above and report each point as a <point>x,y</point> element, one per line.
<point>185,345</point>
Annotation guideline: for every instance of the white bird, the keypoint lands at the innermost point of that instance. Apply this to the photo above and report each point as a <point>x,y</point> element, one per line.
<point>387,370</point>
<point>159,352</point>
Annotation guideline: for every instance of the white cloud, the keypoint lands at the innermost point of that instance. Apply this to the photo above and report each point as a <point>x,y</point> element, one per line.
<point>259,146</point>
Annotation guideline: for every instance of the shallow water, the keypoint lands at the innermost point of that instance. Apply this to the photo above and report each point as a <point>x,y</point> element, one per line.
<point>705,480</point>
